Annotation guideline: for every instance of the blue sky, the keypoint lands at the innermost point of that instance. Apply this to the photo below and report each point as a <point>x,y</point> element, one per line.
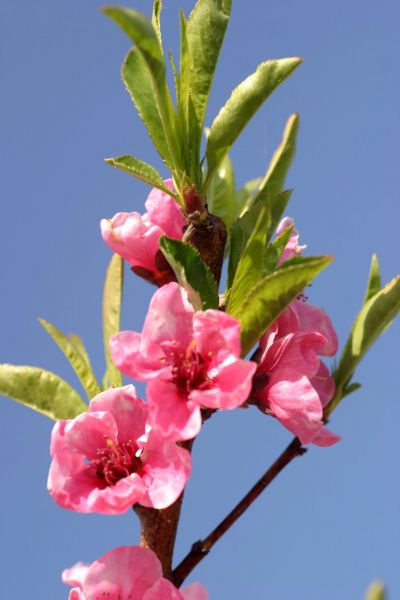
<point>331,522</point>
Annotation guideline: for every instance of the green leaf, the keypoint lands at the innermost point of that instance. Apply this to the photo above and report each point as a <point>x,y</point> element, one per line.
<point>244,102</point>
<point>41,390</point>
<point>136,78</point>
<point>250,266</point>
<point>191,272</point>
<point>374,279</point>
<point>283,156</point>
<point>79,345</point>
<point>184,72</point>
<point>376,591</point>
<point>206,28</point>
<point>141,31</point>
<point>156,19</point>
<point>373,319</point>
<point>141,170</point>
<point>271,295</point>
<point>112,298</point>
<point>78,363</point>
<point>274,250</point>
<point>243,227</point>
<point>221,197</point>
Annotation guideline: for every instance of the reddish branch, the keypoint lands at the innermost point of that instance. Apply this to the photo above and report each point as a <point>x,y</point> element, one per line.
<point>201,548</point>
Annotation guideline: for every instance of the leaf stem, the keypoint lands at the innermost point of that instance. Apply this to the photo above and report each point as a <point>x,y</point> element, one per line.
<point>202,547</point>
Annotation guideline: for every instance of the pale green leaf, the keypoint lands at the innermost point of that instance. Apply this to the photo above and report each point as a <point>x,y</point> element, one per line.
<point>206,28</point>
<point>141,31</point>
<point>78,363</point>
<point>376,591</point>
<point>112,298</point>
<point>271,295</point>
<point>156,19</point>
<point>222,199</point>
<point>283,156</point>
<point>41,390</point>
<point>136,78</point>
<point>274,250</point>
<point>191,272</point>
<point>374,279</point>
<point>250,266</point>
<point>244,102</point>
<point>80,346</point>
<point>373,319</point>
<point>141,170</point>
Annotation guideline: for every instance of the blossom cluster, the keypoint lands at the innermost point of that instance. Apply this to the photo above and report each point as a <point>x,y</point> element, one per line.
<point>125,451</point>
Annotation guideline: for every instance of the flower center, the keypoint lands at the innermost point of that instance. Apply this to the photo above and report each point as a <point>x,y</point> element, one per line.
<point>116,461</point>
<point>189,368</point>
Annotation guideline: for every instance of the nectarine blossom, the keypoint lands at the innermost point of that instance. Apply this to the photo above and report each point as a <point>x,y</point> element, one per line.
<point>126,573</point>
<point>291,383</point>
<point>292,247</point>
<point>190,359</point>
<point>135,237</point>
<point>108,459</point>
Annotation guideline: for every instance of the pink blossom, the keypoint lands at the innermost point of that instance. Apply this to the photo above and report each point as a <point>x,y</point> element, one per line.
<point>190,359</point>
<point>291,383</point>
<point>292,247</point>
<point>126,573</point>
<point>107,459</point>
<point>136,237</point>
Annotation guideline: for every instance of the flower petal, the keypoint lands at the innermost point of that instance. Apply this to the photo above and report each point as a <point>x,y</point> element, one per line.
<point>162,210</point>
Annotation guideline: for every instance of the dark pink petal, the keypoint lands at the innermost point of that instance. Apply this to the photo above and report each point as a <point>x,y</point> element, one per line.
<point>130,357</point>
<point>217,334</point>
<point>130,236</point>
<point>162,210</point>
<point>324,383</point>
<point>195,591</point>
<point>296,404</point>
<point>294,354</point>
<point>128,411</point>
<point>326,438</point>
<point>169,318</point>
<point>127,571</point>
<point>163,590</point>
<point>85,434</point>
<point>171,413</point>
<point>312,319</point>
<point>231,386</point>
<point>166,470</point>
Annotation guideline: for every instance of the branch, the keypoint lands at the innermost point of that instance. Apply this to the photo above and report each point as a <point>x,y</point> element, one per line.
<point>202,547</point>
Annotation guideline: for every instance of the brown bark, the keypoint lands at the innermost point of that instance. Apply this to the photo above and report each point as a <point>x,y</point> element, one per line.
<point>207,233</point>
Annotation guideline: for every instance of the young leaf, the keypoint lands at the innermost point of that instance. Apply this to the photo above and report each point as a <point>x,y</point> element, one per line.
<point>41,390</point>
<point>79,345</point>
<point>206,28</point>
<point>191,272</point>
<point>376,591</point>
<point>141,170</point>
<point>78,363</point>
<point>283,156</point>
<point>184,72</point>
<point>271,295</point>
<point>250,266</point>
<point>244,226</point>
<point>136,78</point>
<point>141,31</point>
<point>274,250</point>
<point>156,19</point>
<point>112,297</point>
<point>374,279</point>
<point>221,197</point>
<point>373,319</point>
<point>244,102</point>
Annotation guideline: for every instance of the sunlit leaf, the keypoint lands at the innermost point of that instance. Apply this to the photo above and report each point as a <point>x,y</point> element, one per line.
<point>77,361</point>
<point>191,272</point>
<point>374,279</point>
<point>244,102</point>
<point>283,156</point>
<point>271,295</point>
<point>40,390</point>
<point>112,298</point>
